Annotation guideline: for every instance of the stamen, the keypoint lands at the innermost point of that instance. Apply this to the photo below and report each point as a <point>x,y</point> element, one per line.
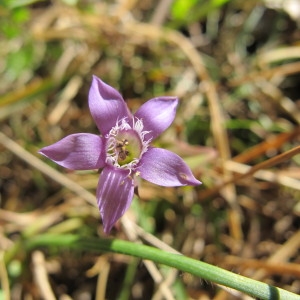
<point>121,147</point>
<point>126,144</point>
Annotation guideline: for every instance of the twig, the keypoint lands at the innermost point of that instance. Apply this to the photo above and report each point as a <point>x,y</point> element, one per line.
<point>263,165</point>
<point>266,175</point>
<point>161,12</point>
<point>4,277</point>
<point>284,253</point>
<point>41,276</point>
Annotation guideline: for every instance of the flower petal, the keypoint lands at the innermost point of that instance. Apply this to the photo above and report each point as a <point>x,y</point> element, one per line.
<point>165,168</point>
<point>106,105</point>
<point>157,114</point>
<point>114,195</point>
<point>81,151</point>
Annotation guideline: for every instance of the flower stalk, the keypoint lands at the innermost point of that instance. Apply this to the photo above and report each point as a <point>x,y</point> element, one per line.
<point>183,263</point>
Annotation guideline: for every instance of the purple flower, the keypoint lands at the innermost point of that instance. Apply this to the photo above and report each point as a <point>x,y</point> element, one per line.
<point>122,150</point>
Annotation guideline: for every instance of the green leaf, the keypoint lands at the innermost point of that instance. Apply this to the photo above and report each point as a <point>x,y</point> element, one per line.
<point>181,8</point>
<point>19,3</point>
<point>186,12</point>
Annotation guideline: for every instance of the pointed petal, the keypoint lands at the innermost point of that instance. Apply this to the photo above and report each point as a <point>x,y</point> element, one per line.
<point>114,195</point>
<point>106,105</point>
<point>157,114</point>
<point>81,151</point>
<point>165,168</point>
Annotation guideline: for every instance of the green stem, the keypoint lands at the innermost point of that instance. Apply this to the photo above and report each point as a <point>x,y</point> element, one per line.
<point>128,280</point>
<point>206,271</point>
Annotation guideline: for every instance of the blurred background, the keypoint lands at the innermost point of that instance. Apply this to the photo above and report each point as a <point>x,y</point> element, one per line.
<point>234,66</point>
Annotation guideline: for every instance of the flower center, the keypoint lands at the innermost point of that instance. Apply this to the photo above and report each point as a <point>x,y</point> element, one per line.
<point>126,144</point>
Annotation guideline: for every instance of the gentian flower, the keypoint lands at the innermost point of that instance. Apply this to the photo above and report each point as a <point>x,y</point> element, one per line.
<point>122,150</point>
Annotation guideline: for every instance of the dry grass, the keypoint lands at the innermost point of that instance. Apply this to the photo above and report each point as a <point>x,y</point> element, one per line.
<point>236,71</point>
